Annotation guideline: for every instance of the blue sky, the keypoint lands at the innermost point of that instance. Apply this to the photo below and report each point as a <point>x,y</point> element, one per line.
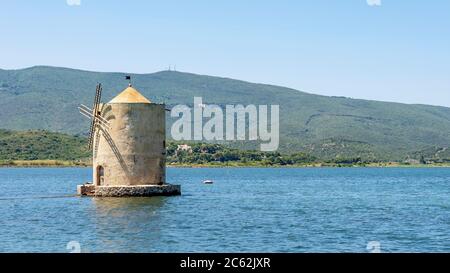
<point>397,51</point>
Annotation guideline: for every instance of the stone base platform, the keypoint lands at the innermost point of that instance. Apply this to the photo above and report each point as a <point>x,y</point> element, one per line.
<point>128,191</point>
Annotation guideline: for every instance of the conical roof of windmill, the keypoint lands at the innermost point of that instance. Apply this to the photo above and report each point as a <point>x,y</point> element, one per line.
<point>130,95</point>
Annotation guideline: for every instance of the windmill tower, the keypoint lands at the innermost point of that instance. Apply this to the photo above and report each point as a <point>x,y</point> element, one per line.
<point>127,139</point>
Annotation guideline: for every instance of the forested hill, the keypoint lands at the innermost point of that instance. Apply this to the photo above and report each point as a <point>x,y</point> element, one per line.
<point>327,127</point>
<point>40,147</point>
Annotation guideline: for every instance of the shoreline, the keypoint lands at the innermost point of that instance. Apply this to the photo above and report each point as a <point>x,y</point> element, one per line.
<point>83,164</point>
<point>43,164</point>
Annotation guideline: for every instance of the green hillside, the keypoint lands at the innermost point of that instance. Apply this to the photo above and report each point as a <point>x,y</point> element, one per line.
<point>41,145</point>
<point>38,147</point>
<point>46,147</point>
<point>326,127</point>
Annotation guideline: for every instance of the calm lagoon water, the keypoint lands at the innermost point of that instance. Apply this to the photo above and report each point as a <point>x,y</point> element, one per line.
<point>246,210</point>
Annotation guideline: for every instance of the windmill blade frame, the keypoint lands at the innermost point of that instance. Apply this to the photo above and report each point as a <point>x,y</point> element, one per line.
<point>98,95</point>
<point>87,112</point>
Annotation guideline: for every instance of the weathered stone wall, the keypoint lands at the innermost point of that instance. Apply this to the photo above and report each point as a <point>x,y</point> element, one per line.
<point>132,151</point>
<point>128,191</point>
<point>86,189</point>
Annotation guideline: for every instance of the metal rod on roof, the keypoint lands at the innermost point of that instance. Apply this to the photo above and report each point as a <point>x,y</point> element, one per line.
<point>128,78</point>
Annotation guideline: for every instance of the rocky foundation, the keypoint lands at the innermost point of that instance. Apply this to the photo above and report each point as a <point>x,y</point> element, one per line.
<point>128,191</point>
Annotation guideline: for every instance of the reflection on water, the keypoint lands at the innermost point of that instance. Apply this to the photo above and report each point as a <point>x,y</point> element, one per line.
<point>120,207</point>
<point>116,220</point>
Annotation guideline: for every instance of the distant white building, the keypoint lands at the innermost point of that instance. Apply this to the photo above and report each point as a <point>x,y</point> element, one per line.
<point>184,147</point>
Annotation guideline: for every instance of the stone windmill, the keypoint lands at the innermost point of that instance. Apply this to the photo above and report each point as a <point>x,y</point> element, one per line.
<point>127,138</point>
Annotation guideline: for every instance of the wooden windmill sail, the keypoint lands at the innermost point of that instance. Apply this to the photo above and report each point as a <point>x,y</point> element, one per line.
<point>95,115</point>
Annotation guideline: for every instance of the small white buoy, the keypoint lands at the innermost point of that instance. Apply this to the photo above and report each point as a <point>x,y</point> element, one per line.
<point>208,182</point>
